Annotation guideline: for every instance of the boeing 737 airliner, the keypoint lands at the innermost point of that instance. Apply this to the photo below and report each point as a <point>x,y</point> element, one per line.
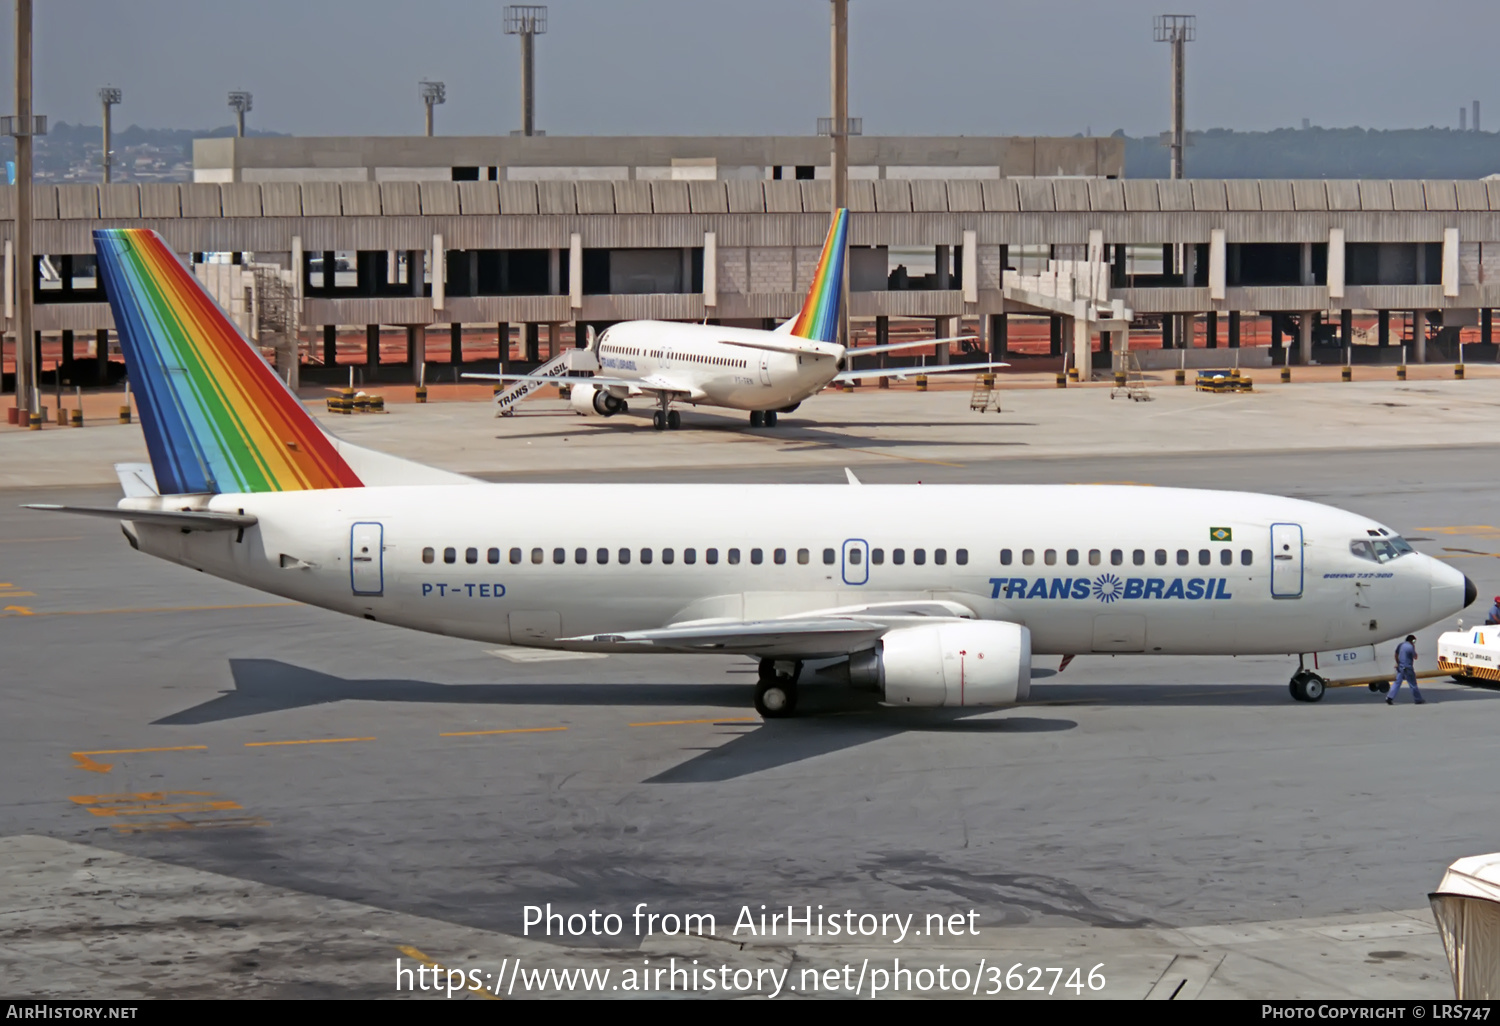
<point>763,372</point>
<point>881,582</point>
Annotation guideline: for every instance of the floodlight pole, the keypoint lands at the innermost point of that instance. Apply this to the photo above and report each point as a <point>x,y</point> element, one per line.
<point>22,127</point>
<point>527,21</point>
<point>432,93</point>
<point>108,96</point>
<point>1178,30</point>
<point>241,103</point>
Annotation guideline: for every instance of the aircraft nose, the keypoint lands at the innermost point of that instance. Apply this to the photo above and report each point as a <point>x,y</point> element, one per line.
<point>1470,592</point>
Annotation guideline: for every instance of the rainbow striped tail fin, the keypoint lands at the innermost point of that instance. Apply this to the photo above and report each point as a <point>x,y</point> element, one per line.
<point>819,318</point>
<point>215,415</point>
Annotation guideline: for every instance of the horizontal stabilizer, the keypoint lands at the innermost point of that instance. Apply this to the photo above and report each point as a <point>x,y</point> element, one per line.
<point>192,519</point>
<point>908,372</point>
<point>854,351</point>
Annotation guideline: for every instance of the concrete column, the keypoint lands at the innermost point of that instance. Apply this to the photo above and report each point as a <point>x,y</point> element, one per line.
<point>1486,322</point>
<point>882,336</point>
<point>1083,357</point>
<point>502,336</point>
<point>416,349</point>
<point>1346,328</point>
<point>1187,326</point>
<point>328,269</point>
<point>999,336</point>
<point>372,348</point>
<point>1306,270</point>
<point>1211,329</point>
<point>944,327</point>
<point>455,344</point>
<point>1055,326</point>
<point>1276,326</point>
<point>554,338</point>
<point>67,351</point>
<point>1384,329</point>
<point>1419,336</point>
<point>532,334</point>
<point>944,268</point>
<point>1305,337</point>
<point>415,272</point>
<point>330,345</point>
<point>554,272</point>
<point>1168,323</point>
<point>101,354</point>
<point>1234,329</point>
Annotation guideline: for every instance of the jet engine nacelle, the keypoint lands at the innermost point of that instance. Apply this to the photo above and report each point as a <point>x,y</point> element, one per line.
<point>949,664</point>
<point>592,401</point>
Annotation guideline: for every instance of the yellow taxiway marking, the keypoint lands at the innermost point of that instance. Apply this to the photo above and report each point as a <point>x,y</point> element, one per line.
<point>84,762</point>
<point>16,611</point>
<point>511,730</point>
<point>309,741</point>
<point>1478,529</point>
<point>431,963</point>
<point>909,459</point>
<point>715,719</point>
<point>162,609</point>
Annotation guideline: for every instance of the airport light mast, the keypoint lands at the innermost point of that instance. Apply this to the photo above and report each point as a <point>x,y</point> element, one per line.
<point>433,93</point>
<point>108,96</point>
<point>22,126</point>
<point>839,128</point>
<point>527,21</point>
<point>1179,30</point>
<point>240,103</point>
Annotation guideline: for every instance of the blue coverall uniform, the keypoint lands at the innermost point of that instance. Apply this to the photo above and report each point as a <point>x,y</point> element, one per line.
<point>1406,661</point>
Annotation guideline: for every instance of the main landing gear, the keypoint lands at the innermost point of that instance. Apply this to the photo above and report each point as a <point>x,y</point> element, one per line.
<point>1307,686</point>
<point>762,418</point>
<point>776,691</point>
<point>666,417</point>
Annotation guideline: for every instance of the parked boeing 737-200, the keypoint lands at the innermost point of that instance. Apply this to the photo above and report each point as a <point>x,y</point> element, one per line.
<point>879,585</point>
<point>766,373</point>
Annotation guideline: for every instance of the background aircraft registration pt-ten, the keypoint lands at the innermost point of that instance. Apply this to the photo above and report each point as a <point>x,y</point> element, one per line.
<point>875,585</point>
<point>766,373</point>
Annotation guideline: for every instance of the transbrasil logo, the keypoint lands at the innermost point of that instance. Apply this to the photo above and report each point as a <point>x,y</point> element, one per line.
<point>1108,587</point>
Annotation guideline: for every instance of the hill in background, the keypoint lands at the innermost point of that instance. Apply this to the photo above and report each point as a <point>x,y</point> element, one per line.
<point>1322,153</point>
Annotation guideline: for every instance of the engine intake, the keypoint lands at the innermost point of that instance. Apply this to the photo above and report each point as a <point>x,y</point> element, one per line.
<point>948,664</point>
<point>592,401</point>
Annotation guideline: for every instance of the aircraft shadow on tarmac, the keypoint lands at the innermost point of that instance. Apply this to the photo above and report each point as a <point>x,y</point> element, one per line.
<point>832,719</point>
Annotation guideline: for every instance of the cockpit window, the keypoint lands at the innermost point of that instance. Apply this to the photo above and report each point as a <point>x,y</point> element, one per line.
<point>1381,550</point>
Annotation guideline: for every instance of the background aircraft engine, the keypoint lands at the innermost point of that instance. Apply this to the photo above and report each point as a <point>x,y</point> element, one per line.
<point>948,664</point>
<point>592,401</point>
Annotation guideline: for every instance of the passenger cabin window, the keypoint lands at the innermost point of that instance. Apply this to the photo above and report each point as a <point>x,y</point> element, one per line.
<point>624,556</point>
<point>1116,557</point>
<point>471,555</point>
<point>1246,557</point>
<point>1095,557</point>
<point>493,555</point>
<point>602,556</point>
<point>779,556</point>
<point>450,555</point>
<point>756,555</point>
<point>803,556</point>
<point>580,555</point>
<point>690,555</point>
<point>1072,557</point>
<point>711,556</point>
<point>1050,557</point>
<point>1138,557</point>
<point>1005,557</point>
<point>898,556</point>
<point>559,555</point>
<point>428,555</point>
<point>877,556</point>
<point>1028,556</point>
<point>830,556</point>
<point>854,557</point>
<point>734,557</point>
<point>1182,557</point>
<point>961,557</point>
<point>667,555</point>
<point>515,555</point>
<point>1161,557</point>
<point>536,555</point>
<point>1226,557</point>
<point>646,556</point>
<point>919,556</point>
<point>940,556</point>
<point>1205,557</point>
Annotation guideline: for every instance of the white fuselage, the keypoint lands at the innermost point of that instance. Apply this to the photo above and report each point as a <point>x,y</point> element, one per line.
<point>711,365</point>
<point>1086,568</point>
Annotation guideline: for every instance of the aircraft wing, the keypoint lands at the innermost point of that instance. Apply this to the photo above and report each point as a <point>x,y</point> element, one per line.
<point>853,351</point>
<point>793,344</point>
<point>549,379</point>
<point>909,372</point>
<point>817,634</point>
<point>189,519</point>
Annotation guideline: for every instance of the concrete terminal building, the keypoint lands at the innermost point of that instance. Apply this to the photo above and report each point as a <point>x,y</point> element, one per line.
<point>591,231</point>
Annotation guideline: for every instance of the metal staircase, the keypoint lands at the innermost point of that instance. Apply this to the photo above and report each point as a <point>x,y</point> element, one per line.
<point>555,368</point>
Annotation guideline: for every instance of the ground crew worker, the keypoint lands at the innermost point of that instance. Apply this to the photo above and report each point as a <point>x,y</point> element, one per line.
<point>1493,617</point>
<point>1406,670</point>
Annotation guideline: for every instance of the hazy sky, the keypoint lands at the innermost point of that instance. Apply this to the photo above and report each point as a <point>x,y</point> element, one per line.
<point>705,67</point>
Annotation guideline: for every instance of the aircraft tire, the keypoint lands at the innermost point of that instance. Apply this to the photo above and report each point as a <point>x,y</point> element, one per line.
<point>757,419</point>
<point>1298,679</point>
<point>1313,688</point>
<point>659,421</point>
<point>770,418</point>
<point>776,698</point>
<point>674,420</point>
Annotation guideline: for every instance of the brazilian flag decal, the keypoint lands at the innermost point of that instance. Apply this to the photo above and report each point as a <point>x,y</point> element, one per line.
<point>1220,534</point>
